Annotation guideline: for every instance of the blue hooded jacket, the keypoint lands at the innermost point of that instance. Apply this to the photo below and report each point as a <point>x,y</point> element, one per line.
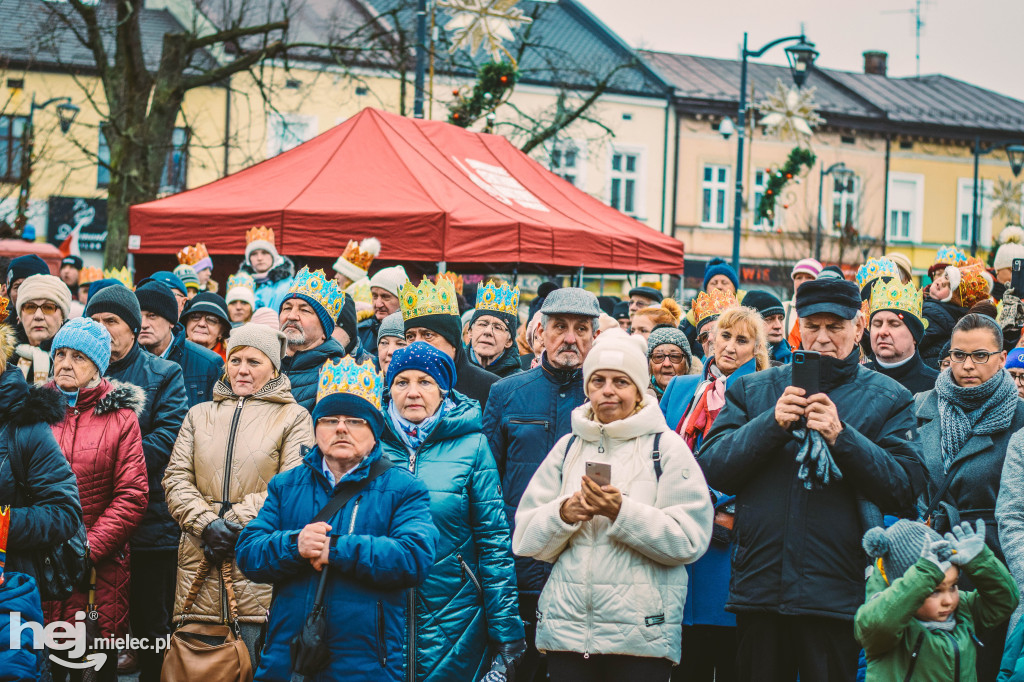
<point>470,597</point>
<point>19,594</point>
<point>382,542</point>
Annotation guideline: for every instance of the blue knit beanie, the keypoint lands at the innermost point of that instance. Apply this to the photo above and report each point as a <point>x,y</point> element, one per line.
<point>326,321</point>
<point>425,358</point>
<point>89,338</point>
<point>718,266</point>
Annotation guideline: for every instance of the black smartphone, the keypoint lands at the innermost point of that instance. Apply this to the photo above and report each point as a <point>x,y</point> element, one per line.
<point>807,371</point>
<point>1017,278</point>
<point>599,472</point>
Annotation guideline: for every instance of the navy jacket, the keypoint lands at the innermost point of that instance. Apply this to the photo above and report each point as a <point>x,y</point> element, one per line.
<point>367,333</point>
<point>19,594</point>
<point>200,367</point>
<point>525,415</point>
<point>303,370</point>
<point>382,542</point>
<point>166,407</point>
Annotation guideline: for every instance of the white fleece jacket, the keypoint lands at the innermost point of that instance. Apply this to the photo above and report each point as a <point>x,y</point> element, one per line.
<point>616,588</point>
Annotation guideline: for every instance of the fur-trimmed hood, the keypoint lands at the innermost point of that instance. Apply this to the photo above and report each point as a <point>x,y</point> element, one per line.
<point>280,271</point>
<point>24,405</point>
<point>7,343</point>
<point>122,396</point>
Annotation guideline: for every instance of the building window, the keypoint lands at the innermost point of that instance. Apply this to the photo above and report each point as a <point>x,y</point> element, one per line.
<point>176,165</point>
<point>288,131</point>
<point>566,159</point>
<point>716,189</point>
<point>625,175</point>
<point>102,162</point>
<point>965,212</point>
<point>761,176</point>
<point>12,136</point>
<point>906,207</point>
<point>845,191</point>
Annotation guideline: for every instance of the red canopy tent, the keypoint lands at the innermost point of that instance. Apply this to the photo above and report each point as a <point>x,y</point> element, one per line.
<point>428,190</point>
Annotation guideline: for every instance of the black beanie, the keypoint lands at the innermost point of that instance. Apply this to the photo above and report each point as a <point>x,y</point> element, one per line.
<point>119,300</point>
<point>347,320</point>
<point>157,298</point>
<point>764,302</point>
<point>448,326</point>
<point>26,266</point>
<point>914,323</point>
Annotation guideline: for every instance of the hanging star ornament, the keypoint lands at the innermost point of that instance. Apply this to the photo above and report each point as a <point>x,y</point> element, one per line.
<point>1007,197</point>
<point>485,24</point>
<point>789,113</point>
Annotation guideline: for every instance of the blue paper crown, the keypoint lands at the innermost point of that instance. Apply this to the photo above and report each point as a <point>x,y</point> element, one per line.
<point>241,279</point>
<point>322,290</point>
<point>875,268</point>
<point>345,375</point>
<point>501,299</point>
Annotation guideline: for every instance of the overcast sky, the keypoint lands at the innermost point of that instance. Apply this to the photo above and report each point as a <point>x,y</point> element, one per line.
<point>979,41</point>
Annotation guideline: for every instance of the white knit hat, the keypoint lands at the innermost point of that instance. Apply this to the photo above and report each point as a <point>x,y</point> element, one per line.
<point>45,287</point>
<point>390,279</point>
<point>617,350</point>
<point>241,294</point>
<point>264,245</point>
<point>1012,241</point>
<point>270,342</point>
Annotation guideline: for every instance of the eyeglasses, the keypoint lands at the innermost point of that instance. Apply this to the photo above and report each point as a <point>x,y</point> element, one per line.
<point>351,423</point>
<point>978,357</point>
<point>1019,378</point>
<point>483,325</point>
<point>30,309</point>
<point>210,319</point>
<point>703,337</point>
<point>674,358</point>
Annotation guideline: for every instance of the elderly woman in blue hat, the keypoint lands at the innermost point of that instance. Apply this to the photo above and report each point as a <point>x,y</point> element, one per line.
<point>467,611</point>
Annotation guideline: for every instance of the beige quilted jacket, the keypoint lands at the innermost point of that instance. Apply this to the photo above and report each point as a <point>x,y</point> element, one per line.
<point>268,431</point>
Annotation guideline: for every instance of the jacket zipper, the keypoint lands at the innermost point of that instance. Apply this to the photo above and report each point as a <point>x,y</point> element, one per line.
<point>355,510</point>
<point>956,656</point>
<point>529,422</point>
<point>225,491</point>
<point>381,652</point>
<point>590,595</point>
<point>467,571</point>
<point>411,615</point>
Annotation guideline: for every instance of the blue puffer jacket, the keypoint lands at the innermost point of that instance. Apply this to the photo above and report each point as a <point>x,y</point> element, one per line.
<point>303,370</point>
<point>383,541</point>
<point>271,290</point>
<point>200,367</point>
<point>19,594</point>
<point>470,596</point>
<point>526,414</point>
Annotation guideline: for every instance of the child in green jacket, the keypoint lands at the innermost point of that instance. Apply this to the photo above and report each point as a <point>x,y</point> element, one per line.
<point>916,624</point>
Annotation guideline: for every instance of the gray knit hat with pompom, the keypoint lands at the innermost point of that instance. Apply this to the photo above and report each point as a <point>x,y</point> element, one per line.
<point>899,547</point>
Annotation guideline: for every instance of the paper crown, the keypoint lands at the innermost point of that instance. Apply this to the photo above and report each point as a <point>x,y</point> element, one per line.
<point>190,255</point>
<point>708,305</point>
<point>951,255</point>
<point>973,287</point>
<point>3,308</point>
<point>316,286</point>
<point>455,279</point>
<point>261,234</point>
<point>896,296</point>
<point>124,276</point>
<point>241,279</point>
<point>360,291</point>
<point>362,254</point>
<point>428,299</point>
<point>875,268</point>
<point>345,375</point>
<point>89,275</point>
<point>499,299</point>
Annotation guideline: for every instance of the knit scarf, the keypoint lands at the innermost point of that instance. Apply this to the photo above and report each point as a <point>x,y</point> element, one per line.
<point>34,360</point>
<point>947,625</point>
<point>411,434</point>
<point>981,410</point>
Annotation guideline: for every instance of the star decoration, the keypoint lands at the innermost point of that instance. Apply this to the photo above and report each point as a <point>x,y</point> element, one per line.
<point>1007,197</point>
<point>486,24</point>
<point>789,114</point>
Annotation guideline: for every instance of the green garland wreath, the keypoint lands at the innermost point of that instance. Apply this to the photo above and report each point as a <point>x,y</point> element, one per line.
<point>494,81</point>
<point>799,157</point>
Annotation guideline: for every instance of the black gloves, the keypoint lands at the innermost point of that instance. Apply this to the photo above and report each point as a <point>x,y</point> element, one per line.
<point>219,540</point>
<point>507,660</point>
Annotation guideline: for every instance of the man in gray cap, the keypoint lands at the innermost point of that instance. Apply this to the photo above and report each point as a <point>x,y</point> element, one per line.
<point>798,566</point>
<point>526,414</point>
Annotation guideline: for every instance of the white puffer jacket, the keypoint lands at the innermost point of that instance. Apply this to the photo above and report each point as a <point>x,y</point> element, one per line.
<point>616,588</point>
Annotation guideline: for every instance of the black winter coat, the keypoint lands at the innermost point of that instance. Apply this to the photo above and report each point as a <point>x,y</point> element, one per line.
<point>798,551</point>
<point>913,375</point>
<point>35,478</point>
<point>166,407</point>
<point>506,365</point>
<point>470,380</point>
<point>942,317</point>
<point>303,370</point>
<point>200,367</point>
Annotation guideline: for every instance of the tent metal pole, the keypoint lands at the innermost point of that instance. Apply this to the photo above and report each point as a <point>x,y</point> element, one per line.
<point>442,266</point>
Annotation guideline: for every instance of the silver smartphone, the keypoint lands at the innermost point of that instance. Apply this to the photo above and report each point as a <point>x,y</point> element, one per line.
<point>599,472</point>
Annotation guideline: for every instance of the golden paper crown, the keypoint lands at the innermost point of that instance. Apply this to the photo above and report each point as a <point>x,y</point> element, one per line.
<point>499,299</point>
<point>190,255</point>
<point>124,276</point>
<point>428,299</point>
<point>360,291</point>
<point>241,279</point>
<point>875,268</point>
<point>261,234</point>
<point>362,254</point>
<point>3,308</point>
<point>897,297</point>
<point>345,375</point>
<point>709,305</point>
<point>316,286</point>
<point>456,280</point>
<point>973,285</point>
<point>89,275</point>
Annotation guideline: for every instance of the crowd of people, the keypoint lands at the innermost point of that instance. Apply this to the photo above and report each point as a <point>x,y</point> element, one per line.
<point>581,488</point>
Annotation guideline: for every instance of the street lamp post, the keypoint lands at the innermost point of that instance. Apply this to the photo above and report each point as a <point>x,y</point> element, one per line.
<point>66,113</point>
<point>841,172</point>
<point>1015,155</point>
<point>801,58</point>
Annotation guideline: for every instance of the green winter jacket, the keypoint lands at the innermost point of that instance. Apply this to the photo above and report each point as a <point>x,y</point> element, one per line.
<point>890,634</point>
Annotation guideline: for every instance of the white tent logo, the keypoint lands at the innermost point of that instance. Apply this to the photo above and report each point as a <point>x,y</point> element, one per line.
<point>497,182</point>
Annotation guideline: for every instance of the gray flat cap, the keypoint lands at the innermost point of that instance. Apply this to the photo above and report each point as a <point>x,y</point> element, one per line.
<point>392,325</point>
<point>571,301</point>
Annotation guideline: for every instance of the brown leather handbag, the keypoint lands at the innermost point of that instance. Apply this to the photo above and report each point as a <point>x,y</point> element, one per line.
<point>205,651</point>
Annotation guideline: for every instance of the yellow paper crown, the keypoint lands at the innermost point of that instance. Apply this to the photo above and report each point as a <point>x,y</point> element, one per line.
<point>897,297</point>
<point>501,299</point>
<point>316,286</point>
<point>123,276</point>
<point>345,375</point>
<point>89,275</point>
<point>3,308</point>
<point>456,280</point>
<point>361,254</point>
<point>360,291</point>
<point>428,299</point>
<point>241,279</point>
<point>190,255</point>
<point>875,268</point>
<point>709,305</point>
<point>261,234</point>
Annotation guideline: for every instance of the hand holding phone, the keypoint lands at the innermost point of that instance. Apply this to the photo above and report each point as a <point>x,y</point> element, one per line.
<point>807,371</point>
<point>599,472</point>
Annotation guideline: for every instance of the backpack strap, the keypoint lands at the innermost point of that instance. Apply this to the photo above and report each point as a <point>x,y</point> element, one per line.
<point>568,447</point>
<point>913,657</point>
<point>656,456</point>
